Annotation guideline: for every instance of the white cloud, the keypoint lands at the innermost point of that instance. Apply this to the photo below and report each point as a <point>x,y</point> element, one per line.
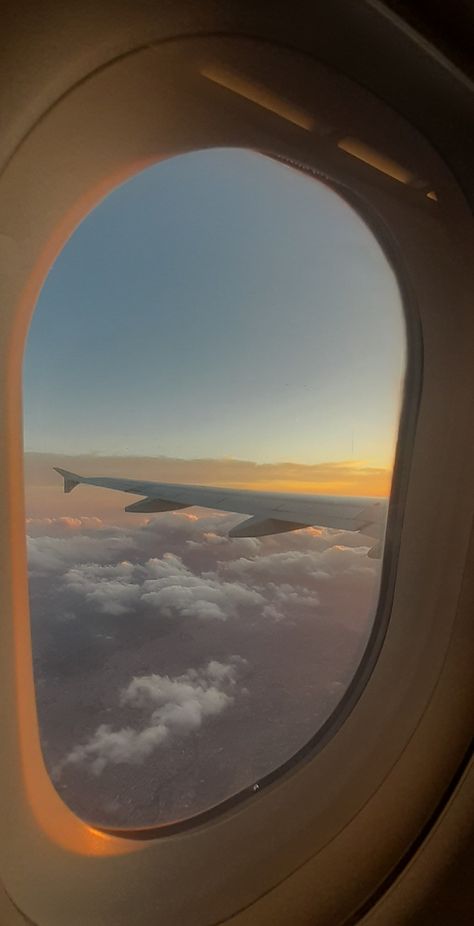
<point>196,573</point>
<point>109,589</point>
<point>229,550</point>
<point>108,746</point>
<point>168,565</point>
<point>183,567</point>
<point>165,584</point>
<point>48,555</point>
<point>178,706</point>
<point>295,569</point>
<point>290,566</point>
<point>287,601</point>
<point>193,596</point>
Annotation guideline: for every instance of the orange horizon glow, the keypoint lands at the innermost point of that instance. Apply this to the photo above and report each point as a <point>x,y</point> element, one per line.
<point>45,497</point>
<point>376,485</point>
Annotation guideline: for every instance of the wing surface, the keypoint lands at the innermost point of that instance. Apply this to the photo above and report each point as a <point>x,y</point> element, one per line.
<point>269,512</point>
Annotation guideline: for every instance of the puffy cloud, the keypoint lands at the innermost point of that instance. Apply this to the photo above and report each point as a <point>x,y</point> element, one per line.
<point>185,567</point>
<point>298,569</point>
<point>239,546</point>
<point>48,554</point>
<point>179,705</point>
<point>287,601</point>
<point>168,566</point>
<point>184,602</point>
<point>115,746</point>
<point>184,593</point>
<point>107,588</point>
<point>166,584</point>
<point>290,566</point>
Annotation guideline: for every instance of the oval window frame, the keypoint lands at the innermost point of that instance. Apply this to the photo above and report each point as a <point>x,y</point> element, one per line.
<point>409,402</point>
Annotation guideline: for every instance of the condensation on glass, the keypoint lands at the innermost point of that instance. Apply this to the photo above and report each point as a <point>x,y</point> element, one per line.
<point>220,320</point>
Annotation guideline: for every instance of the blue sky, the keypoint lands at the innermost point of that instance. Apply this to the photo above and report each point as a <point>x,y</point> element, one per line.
<point>218,304</point>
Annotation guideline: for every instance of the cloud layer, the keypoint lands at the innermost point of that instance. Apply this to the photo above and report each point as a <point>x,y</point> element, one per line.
<point>135,630</point>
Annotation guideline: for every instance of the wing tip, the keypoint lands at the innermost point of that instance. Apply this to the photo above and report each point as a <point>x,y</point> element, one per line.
<point>71,480</point>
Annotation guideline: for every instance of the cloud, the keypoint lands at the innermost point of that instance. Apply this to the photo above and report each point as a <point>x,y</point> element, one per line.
<point>287,601</point>
<point>119,614</point>
<point>179,705</point>
<point>166,585</point>
<point>109,589</point>
<point>199,573</point>
<point>339,581</point>
<point>182,592</point>
<point>168,566</point>
<point>48,554</point>
<point>289,566</point>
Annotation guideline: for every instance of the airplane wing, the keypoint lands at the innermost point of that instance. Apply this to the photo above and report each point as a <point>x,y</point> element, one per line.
<point>269,512</point>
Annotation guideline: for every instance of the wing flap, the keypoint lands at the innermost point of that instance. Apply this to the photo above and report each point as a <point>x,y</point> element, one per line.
<point>155,504</point>
<point>263,526</point>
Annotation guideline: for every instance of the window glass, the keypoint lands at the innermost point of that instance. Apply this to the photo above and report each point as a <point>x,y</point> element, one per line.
<point>219,320</point>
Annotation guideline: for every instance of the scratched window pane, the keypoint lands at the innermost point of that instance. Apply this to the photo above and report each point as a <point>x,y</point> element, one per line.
<point>220,346</point>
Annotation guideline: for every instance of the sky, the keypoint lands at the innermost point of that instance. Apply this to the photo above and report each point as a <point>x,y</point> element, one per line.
<point>218,306</point>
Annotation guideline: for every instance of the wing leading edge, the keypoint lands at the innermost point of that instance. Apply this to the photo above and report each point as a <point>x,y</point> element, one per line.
<point>269,512</point>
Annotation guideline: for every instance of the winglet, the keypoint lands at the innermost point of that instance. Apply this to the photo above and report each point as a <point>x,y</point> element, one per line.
<point>71,480</point>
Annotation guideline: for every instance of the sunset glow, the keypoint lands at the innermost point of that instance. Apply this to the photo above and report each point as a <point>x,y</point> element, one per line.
<point>45,496</point>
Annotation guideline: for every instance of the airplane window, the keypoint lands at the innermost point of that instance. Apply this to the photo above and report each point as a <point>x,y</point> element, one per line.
<point>220,347</point>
